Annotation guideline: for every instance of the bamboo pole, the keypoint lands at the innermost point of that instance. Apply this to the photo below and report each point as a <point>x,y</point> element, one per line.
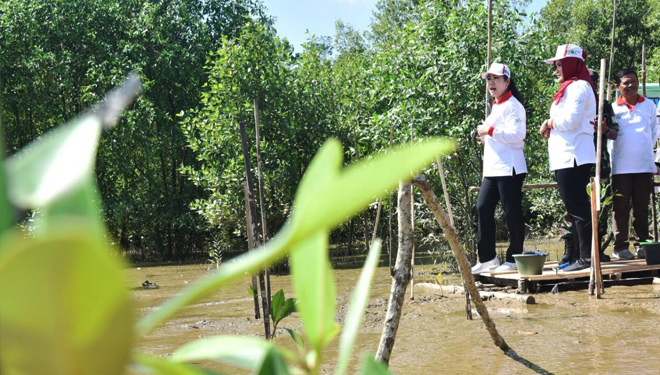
<point>250,235</point>
<point>262,206</point>
<point>599,138</point>
<point>401,274</point>
<point>490,44</point>
<point>654,209</point>
<point>441,172</point>
<point>253,214</point>
<point>364,213</point>
<point>380,199</point>
<point>462,260</point>
<point>609,74</point>
<point>412,224</point>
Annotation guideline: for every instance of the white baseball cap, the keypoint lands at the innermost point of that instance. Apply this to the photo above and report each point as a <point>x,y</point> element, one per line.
<point>497,69</point>
<point>566,50</point>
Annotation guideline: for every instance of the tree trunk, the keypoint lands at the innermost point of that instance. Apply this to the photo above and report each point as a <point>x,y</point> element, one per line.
<point>401,273</point>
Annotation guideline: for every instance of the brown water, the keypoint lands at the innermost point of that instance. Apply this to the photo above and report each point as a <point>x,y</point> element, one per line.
<point>566,333</point>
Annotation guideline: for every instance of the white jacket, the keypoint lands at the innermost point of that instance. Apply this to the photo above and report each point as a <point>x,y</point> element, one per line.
<point>572,135</point>
<point>503,148</point>
<point>632,150</point>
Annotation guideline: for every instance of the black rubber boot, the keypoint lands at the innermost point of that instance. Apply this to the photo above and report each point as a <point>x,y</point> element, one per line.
<point>569,251</point>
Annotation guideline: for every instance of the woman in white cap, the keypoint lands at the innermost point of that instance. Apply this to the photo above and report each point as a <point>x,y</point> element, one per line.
<point>570,142</point>
<point>504,169</point>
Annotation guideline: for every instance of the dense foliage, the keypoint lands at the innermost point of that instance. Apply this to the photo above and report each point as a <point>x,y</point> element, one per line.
<point>171,172</point>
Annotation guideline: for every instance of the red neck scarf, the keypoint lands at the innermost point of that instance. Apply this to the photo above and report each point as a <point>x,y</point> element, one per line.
<point>573,69</point>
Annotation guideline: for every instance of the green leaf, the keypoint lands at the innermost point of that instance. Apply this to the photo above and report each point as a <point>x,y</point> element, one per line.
<point>315,289</point>
<point>273,364</point>
<point>357,307</point>
<point>54,164</point>
<point>341,195</point>
<point>372,367</point>
<point>281,307</point>
<point>160,366</point>
<point>242,351</point>
<point>64,301</point>
<point>253,293</point>
<point>297,338</point>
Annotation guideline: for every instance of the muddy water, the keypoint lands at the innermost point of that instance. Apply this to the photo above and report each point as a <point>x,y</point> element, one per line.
<point>566,333</point>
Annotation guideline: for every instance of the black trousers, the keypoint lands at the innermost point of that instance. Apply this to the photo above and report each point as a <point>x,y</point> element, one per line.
<point>573,188</point>
<point>508,190</point>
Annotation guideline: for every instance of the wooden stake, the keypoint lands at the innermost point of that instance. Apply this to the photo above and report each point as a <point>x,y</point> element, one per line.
<point>262,205</point>
<point>462,260</point>
<point>599,138</point>
<point>253,214</point>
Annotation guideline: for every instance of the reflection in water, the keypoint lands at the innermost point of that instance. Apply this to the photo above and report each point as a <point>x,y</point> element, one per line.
<point>565,333</point>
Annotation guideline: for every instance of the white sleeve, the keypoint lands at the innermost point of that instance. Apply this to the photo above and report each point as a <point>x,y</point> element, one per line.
<point>514,129</point>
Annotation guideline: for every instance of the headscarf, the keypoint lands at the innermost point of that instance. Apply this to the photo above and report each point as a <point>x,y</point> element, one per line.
<point>573,69</point>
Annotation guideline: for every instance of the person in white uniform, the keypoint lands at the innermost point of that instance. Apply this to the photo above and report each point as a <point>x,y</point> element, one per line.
<point>633,163</point>
<point>571,148</point>
<point>504,169</point>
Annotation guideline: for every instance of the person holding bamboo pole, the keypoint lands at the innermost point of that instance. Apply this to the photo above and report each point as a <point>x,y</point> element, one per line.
<point>504,169</point>
<point>571,148</point>
<point>633,163</point>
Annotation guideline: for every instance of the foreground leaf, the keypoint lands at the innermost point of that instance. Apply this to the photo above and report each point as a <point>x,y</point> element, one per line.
<point>53,164</point>
<point>160,366</point>
<point>372,367</point>
<point>64,308</point>
<point>242,351</point>
<point>315,289</point>
<point>273,364</point>
<point>357,307</point>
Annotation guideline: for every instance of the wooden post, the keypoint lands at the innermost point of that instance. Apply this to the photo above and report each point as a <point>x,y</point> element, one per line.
<point>253,214</point>
<point>400,274</point>
<point>595,277</point>
<point>462,260</point>
<point>262,206</point>
<point>599,138</point>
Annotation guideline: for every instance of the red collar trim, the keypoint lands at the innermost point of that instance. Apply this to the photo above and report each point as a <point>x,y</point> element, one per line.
<point>621,101</point>
<point>504,98</point>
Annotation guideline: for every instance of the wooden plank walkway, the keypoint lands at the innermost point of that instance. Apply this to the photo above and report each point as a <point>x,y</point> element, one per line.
<point>616,272</point>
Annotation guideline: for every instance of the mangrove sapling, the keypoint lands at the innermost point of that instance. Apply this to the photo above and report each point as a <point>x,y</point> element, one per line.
<point>280,308</point>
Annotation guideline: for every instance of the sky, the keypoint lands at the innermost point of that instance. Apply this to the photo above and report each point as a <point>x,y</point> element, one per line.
<point>293,18</point>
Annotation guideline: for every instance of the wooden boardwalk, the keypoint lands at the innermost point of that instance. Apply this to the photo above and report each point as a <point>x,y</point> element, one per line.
<point>619,272</point>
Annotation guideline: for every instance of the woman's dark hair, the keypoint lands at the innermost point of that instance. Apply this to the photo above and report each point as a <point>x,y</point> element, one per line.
<point>624,72</point>
<point>514,91</point>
